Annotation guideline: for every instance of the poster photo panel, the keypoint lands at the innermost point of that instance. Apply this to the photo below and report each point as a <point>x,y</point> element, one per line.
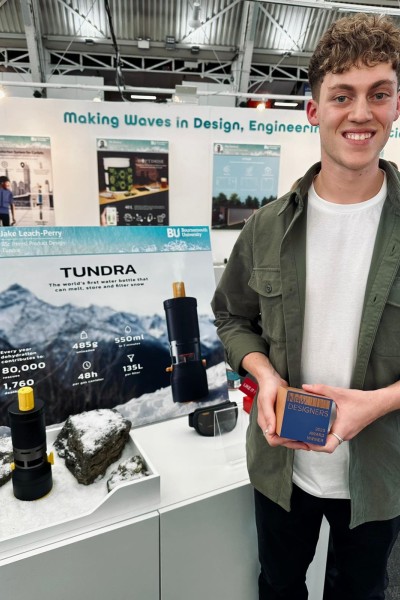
<point>26,161</point>
<point>133,182</point>
<point>109,317</point>
<point>245,178</point>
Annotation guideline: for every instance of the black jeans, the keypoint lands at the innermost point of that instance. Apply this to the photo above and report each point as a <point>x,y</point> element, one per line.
<point>5,219</point>
<point>287,541</point>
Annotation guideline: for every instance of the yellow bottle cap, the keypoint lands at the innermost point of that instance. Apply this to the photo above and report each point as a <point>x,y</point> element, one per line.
<point>178,289</point>
<point>26,400</point>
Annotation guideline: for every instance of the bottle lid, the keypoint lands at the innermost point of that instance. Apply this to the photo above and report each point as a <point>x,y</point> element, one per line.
<point>26,400</point>
<point>178,288</point>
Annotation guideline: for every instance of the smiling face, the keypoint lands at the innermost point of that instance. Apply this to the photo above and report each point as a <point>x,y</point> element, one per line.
<point>355,111</point>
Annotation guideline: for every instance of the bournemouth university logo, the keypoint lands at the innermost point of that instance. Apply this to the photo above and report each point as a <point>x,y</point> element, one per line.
<point>173,232</point>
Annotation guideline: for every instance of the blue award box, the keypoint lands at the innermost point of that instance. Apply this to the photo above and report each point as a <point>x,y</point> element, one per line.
<point>302,416</point>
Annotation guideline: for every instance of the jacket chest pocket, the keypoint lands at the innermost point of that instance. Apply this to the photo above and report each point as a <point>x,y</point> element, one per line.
<point>268,285</point>
<point>387,341</point>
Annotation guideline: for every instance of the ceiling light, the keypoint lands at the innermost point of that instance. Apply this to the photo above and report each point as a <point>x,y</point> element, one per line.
<point>190,90</point>
<point>97,99</point>
<point>143,44</point>
<point>170,42</point>
<point>2,93</point>
<point>195,22</point>
<point>186,94</point>
<point>286,104</point>
<point>143,97</point>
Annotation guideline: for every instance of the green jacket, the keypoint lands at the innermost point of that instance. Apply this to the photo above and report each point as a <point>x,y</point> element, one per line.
<point>259,307</point>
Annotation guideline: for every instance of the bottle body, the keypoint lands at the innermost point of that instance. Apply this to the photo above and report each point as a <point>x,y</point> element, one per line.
<point>188,373</point>
<point>31,475</point>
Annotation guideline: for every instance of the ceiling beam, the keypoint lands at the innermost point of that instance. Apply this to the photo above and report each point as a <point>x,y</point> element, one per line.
<point>339,6</point>
<point>211,20</point>
<point>279,27</point>
<point>83,18</point>
<point>30,15</point>
<point>241,66</point>
<point>263,64</point>
<point>109,88</point>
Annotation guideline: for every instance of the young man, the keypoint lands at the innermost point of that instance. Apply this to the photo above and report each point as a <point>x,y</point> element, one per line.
<point>6,202</point>
<point>311,298</point>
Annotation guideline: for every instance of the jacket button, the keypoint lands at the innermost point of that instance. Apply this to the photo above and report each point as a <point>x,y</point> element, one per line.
<point>268,288</point>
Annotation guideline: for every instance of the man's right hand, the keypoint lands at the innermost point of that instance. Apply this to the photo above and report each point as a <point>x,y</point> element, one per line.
<point>266,419</point>
<point>268,381</point>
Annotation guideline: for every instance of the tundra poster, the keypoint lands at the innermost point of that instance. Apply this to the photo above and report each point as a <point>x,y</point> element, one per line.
<point>83,320</point>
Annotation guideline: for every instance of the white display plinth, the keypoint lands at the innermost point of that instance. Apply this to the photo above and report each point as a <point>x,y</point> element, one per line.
<point>72,508</point>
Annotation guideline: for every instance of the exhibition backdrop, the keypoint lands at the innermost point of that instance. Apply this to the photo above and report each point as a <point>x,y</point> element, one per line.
<point>82,318</point>
<point>73,128</point>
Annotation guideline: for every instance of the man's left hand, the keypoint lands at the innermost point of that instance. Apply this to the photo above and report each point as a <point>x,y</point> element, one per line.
<point>355,409</point>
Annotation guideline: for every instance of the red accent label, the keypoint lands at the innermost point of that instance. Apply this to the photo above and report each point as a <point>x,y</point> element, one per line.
<point>249,387</point>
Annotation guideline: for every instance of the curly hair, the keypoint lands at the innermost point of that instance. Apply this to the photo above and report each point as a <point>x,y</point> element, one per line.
<point>361,39</point>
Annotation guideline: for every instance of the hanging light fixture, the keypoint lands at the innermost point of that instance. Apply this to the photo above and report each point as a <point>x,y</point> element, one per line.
<point>195,22</point>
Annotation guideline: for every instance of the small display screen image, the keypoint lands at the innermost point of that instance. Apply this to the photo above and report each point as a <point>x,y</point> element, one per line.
<point>133,178</point>
<point>245,178</point>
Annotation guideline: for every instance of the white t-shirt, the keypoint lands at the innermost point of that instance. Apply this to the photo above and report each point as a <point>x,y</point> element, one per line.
<point>340,243</point>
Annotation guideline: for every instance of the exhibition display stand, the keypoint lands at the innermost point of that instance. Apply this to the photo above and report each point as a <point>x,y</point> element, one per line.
<point>199,542</point>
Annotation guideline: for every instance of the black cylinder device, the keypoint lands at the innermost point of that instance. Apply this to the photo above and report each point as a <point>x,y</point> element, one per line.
<point>31,469</point>
<point>188,373</point>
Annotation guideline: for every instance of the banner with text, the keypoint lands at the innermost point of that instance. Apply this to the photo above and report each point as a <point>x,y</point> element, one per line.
<point>89,319</point>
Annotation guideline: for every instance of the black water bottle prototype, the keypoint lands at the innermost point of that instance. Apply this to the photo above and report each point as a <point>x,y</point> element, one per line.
<point>188,372</point>
<point>31,469</point>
